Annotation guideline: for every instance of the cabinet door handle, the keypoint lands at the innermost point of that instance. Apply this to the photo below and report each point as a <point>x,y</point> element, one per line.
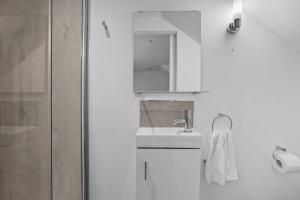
<point>145,170</point>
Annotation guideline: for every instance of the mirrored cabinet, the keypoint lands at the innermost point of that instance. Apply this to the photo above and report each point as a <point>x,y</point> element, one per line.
<point>167,51</point>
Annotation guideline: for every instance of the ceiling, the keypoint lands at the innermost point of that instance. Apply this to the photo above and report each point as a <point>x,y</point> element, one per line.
<point>281,17</point>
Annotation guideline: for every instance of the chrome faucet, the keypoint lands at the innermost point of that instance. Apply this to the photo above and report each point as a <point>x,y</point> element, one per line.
<point>187,120</point>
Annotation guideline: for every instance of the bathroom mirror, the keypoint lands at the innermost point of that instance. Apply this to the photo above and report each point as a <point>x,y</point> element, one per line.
<point>167,51</point>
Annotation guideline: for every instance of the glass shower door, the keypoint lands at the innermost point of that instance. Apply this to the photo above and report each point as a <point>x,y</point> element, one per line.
<point>25,100</point>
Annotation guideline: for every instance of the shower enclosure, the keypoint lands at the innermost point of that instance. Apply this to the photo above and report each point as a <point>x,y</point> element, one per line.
<point>29,152</point>
<point>25,100</point>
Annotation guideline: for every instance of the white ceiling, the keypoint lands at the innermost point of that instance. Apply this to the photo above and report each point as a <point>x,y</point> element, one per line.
<point>281,17</point>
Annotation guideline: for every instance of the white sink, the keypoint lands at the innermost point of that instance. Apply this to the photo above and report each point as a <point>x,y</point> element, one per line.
<point>167,138</point>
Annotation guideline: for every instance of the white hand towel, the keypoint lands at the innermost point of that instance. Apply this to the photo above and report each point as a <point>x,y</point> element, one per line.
<point>220,161</point>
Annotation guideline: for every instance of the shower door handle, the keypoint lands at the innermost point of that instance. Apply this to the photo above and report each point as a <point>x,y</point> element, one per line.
<point>145,170</point>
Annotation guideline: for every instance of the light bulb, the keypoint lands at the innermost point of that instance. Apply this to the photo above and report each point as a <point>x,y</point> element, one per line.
<point>237,9</point>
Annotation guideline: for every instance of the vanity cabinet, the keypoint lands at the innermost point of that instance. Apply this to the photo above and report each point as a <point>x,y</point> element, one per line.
<point>168,174</point>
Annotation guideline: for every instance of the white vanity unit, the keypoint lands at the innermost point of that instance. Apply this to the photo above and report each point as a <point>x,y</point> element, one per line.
<point>168,164</point>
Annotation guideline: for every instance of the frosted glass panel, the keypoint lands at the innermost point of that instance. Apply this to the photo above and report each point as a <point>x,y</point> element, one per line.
<point>24,100</point>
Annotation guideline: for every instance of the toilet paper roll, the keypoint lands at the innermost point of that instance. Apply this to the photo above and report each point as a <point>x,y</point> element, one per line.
<point>285,162</point>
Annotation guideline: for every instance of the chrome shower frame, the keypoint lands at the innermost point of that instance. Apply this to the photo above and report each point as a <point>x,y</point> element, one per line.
<point>84,103</point>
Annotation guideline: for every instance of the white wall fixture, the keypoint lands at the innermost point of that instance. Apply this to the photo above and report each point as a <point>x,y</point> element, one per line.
<point>234,27</point>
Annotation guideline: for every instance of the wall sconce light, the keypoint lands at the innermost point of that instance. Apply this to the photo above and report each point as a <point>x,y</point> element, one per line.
<point>234,27</point>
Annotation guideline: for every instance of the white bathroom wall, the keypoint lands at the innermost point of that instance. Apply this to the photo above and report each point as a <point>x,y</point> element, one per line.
<point>252,76</point>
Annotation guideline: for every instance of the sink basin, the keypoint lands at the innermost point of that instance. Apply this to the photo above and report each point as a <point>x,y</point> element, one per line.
<point>167,138</point>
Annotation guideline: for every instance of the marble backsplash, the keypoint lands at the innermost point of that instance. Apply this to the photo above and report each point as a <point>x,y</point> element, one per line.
<point>157,113</point>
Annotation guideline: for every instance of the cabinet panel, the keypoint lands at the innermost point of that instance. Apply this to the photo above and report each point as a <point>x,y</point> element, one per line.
<point>170,174</point>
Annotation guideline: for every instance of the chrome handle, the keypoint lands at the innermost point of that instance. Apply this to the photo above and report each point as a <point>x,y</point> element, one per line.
<point>145,170</point>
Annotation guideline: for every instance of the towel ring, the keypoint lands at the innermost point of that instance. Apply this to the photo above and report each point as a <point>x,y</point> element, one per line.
<point>221,115</point>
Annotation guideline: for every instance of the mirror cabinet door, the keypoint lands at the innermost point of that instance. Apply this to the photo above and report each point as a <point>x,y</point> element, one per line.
<point>167,51</point>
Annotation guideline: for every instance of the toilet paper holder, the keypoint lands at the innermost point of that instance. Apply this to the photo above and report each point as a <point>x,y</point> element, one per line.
<point>278,148</point>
